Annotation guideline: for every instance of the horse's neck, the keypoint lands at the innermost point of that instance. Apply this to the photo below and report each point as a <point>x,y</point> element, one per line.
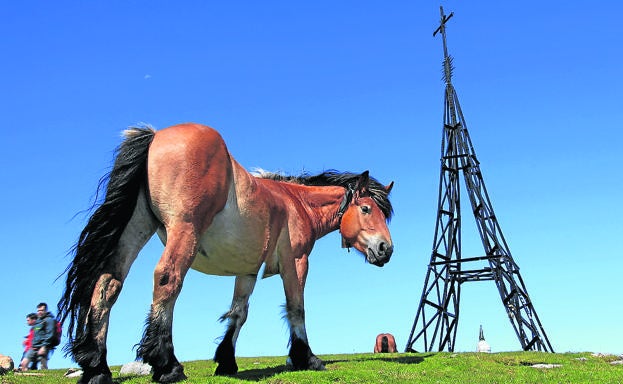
<point>321,205</point>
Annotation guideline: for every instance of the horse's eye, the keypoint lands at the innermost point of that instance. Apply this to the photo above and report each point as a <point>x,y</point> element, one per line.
<point>365,209</point>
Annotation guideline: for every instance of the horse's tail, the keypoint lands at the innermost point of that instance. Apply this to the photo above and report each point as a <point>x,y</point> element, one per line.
<point>384,344</point>
<point>99,239</point>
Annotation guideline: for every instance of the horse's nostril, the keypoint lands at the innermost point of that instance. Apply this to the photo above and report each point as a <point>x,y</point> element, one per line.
<point>386,250</point>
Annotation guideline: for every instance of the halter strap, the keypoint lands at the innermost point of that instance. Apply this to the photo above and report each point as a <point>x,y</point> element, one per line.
<point>348,197</point>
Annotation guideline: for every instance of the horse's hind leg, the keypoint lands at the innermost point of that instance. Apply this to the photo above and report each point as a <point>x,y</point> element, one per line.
<point>237,315</point>
<point>90,347</point>
<point>156,347</point>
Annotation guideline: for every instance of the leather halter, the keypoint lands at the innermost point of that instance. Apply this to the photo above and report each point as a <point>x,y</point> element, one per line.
<point>348,197</point>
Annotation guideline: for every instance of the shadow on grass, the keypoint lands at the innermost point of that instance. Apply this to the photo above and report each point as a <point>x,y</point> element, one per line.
<point>246,375</point>
<point>266,373</point>
<point>259,374</point>
<point>394,358</point>
<point>119,380</point>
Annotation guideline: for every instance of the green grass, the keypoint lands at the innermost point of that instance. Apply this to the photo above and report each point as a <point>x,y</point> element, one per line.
<point>507,367</point>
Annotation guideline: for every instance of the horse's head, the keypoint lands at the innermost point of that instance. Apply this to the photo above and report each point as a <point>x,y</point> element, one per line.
<point>364,222</point>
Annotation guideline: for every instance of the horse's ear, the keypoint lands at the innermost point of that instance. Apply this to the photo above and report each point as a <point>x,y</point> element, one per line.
<point>389,187</point>
<point>362,183</point>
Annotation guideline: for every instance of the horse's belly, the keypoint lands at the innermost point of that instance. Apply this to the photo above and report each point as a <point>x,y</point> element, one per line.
<point>232,245</point>
<point>226,259</point>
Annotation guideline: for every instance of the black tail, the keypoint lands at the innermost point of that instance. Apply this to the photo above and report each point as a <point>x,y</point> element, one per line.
<point>99,239</point>
<point>384,345</point>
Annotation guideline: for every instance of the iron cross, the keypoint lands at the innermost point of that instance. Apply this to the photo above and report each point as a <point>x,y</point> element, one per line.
<point>442,25</point>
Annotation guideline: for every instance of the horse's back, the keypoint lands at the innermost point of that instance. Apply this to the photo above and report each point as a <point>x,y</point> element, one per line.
<point>187,142</point>
<point>189,173</point>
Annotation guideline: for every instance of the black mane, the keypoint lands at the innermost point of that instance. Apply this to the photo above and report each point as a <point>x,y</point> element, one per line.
<point>342,179</point>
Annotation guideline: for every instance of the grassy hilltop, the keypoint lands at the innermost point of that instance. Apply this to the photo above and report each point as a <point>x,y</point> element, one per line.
<point>443,367</point>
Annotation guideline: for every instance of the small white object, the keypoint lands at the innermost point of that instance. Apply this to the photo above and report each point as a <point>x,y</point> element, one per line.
<point>483,346</point>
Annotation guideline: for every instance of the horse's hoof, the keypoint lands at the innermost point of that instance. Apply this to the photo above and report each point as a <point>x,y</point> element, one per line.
<point>226,369</point>
<point>176,374</point>
<point>313,363</point>
<point>316,364</point>
<point>102,378</point>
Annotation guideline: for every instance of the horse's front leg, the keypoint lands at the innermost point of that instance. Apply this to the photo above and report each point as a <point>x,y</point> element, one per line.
<point>236,317</point>
<point>301,355</point>
<point>156,347</point>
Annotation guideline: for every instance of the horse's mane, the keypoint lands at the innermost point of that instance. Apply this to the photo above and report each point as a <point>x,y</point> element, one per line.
<point>336,178</point>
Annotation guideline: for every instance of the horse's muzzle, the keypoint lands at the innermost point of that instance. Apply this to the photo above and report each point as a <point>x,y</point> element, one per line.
<point>380,254</point>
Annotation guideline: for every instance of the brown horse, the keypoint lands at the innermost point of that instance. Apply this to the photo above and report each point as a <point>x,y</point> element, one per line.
<point>385,343</point>
<point>215,217</point>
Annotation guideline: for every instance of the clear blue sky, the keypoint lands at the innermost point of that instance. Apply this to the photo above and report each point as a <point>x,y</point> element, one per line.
<point>349,85</point>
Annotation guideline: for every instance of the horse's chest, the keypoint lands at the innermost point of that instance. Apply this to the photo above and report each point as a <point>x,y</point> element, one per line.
<point>236,243</point>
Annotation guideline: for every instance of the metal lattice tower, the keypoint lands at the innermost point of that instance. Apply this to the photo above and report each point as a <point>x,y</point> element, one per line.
<point>438,313</point>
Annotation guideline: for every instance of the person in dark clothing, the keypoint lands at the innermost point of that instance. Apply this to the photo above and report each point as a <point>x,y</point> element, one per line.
<point>42,339</point>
